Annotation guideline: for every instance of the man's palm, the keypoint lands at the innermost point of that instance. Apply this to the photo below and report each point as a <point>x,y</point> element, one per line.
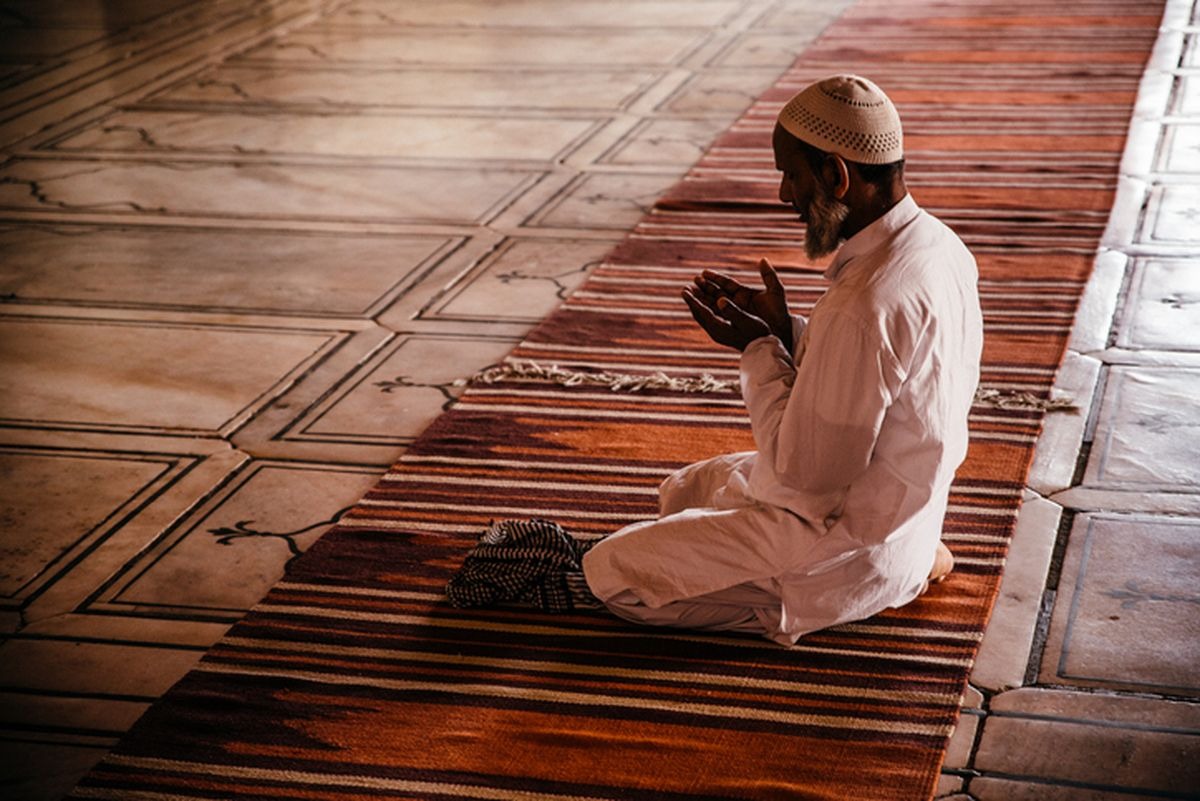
<point>769,303</point>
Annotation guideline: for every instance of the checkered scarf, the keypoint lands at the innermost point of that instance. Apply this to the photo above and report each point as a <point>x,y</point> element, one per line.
<point>521,560</point>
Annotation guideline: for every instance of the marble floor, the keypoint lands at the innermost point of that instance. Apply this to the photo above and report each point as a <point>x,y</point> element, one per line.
<point>246,248</point>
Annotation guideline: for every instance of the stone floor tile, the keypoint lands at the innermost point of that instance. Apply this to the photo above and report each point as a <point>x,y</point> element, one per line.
<point>719,95</point>
<point>265,191</point>
<point>800,16</point>
<point>1181,150</point>
<point>666,142</point>
<point>1125,622</point>
<point>1187,96</point>
<point>429,87</point>
<point>962,741</point>
<point>1098,706</point>
<point>765,48</point>
<point>615,201</point>
<point>268,514</point>
<point>67,714</point>
<point>128,65</point>
<point>535,13</point>
<point>1191,52</point>
<point>1150,358</point>
<point>1058,447</point>
<point>1172,215</point>
<point>1102,742</point>
<point>128,629</point>
<point>211,271</point>
<point>1094,317</point>
<point>39,44</point>
<point>1162,310</point>
<point>1093,499</point>
<point>1004,653</point>
<point>139,525</point>
<point>110,16</point>
<point>522,281</point>
<point>395,397</point>
<point>125,375</point>
<point>989,788</point>
<point>363,134</point>
<point>948,787</point>
<point>1148,431</point>
<point>1125,219</point>
<point>407,312</point>
<point>87,668</point>
<point>489,48</point>
<point>47,521</point>
<point>1143,155</point>
<point>40,771</point>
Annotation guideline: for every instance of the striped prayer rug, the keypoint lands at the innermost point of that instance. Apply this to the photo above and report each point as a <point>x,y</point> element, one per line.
<point>355,679</point>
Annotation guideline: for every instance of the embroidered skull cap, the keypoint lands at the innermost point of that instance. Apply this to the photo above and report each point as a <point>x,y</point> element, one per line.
<point>847,115</point>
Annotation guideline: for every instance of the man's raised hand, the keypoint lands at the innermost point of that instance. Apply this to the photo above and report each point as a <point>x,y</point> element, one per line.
<point>725,322</point>
<point>768,304</point>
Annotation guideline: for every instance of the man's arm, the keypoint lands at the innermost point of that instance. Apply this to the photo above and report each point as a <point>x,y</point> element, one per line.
<point>816,422</point>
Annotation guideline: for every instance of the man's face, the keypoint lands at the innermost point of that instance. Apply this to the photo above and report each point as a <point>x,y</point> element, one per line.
<point>812,200</point>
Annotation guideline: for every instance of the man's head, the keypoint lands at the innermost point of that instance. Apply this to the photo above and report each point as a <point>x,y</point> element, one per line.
<point>839,146</point>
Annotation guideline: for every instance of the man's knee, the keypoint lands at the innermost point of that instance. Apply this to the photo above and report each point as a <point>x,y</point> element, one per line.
<point>696,485</point>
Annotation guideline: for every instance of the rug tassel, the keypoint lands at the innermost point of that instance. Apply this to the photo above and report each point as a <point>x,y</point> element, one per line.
<point>618,382</point>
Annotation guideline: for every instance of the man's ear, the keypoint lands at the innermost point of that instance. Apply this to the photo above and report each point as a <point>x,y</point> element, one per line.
<point>840,172</point>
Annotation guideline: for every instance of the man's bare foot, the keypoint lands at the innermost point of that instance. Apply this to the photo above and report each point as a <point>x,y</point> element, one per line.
<point>943,563</point>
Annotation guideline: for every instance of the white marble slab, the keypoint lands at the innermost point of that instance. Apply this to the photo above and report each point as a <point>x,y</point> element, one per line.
<point>591,89</point>
<point>361,135</point>
<point>269,514</point>
<point>44,515</point>
<point>536,13</point>
<point>666,142</point>
<point>263,190</point>
<point>615,201</point>
<point>491,49</point>
<point>400,394</point>
<point>236,271</point>
<point>140,376</point>
<point>1128,622</point>
<point>522,281</point>
<point>1162,310</point>
<point>1148,432</point>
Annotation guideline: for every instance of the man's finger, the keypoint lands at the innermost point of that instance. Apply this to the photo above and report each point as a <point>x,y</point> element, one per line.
<point>741,319</point>
<point>709,290</point>
<point>727,284</point>
<point>770,277</point>
<point>705,316</point>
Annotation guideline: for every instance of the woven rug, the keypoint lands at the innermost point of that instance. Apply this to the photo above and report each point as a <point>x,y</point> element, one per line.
<point>355,679</point>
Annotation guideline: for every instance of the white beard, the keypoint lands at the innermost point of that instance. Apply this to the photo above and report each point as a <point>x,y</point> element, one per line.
<point>825,217</point>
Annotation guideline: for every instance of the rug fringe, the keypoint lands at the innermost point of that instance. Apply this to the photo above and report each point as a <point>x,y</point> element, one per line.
<point>616,382</point>
<point>626,382</point>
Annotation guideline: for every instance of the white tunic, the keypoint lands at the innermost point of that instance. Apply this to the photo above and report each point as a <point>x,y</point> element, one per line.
<point>838,513</point>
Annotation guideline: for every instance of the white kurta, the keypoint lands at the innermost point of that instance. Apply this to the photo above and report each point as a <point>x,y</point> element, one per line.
<point>838,513</point>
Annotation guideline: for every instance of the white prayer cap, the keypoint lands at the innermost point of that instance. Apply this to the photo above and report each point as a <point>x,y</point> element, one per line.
<point>846,115</point>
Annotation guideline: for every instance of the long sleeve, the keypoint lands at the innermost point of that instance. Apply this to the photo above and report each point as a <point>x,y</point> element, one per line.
<point>815,427</point>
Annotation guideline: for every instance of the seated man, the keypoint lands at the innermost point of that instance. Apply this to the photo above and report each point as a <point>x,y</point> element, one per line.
<point>859,413</point>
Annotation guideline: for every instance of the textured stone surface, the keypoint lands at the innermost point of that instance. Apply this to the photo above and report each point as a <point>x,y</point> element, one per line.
<point>1105,741</point>
<point>1149,430</point>
<point>1125,621</point>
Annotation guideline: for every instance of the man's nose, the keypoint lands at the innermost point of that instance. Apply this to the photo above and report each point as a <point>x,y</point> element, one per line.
<point>785,191</point>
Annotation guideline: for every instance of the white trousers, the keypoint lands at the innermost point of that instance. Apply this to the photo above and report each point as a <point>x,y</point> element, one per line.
<point>710,485</point>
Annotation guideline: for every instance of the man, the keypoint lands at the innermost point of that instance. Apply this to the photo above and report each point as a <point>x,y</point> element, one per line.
<point>859,414</point>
